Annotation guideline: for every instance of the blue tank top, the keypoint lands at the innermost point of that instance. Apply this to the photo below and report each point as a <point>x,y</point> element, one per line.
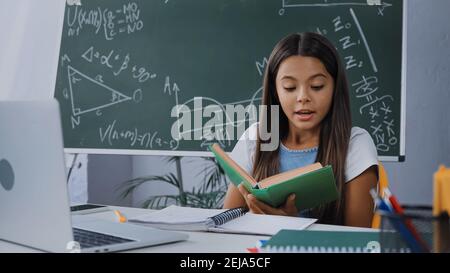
<point>292,159</point>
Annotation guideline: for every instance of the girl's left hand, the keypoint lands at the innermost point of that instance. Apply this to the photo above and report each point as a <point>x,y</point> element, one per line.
<point>256,206</point>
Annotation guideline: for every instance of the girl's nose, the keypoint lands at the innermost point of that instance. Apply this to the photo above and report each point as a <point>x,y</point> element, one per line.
<point>303,95</point>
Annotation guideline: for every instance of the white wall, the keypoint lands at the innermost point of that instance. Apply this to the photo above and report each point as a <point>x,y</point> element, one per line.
<point>30,38</point>
<point>106,173</point>
<point>427,101</point>
<point>29,50</point>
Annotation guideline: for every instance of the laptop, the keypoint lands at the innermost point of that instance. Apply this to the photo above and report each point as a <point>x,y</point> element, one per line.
<point>34,202</point>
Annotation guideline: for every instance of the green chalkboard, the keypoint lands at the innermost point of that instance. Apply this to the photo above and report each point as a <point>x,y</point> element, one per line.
<point>124,65</point>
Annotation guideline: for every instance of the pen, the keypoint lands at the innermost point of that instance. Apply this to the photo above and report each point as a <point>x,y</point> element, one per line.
<point>261,243</point>
<point>120,216</point>
<point>385,205</point>
<point>398,208</point>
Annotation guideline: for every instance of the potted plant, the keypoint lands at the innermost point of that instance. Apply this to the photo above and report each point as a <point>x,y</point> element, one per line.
<point>209,194</point>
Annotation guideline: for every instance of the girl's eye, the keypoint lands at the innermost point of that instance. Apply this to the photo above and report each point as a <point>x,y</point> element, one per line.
<point>317,87</point>
<point>289,88</point>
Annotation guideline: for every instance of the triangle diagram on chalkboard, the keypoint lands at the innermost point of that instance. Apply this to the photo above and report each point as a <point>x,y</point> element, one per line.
<point>88,94</point>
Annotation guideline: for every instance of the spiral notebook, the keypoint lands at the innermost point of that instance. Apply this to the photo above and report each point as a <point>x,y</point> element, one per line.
<point>220,220</point>
<point>309,241</point>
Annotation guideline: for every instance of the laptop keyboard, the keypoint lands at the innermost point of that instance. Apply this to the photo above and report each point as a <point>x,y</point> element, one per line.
<point>88,239</point>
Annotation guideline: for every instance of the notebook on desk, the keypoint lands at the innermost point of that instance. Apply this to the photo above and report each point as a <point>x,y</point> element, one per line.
<point>312,241</point>
<point>220,220</point>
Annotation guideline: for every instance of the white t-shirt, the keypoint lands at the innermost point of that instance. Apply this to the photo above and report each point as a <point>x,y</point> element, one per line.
<point>361,155</point>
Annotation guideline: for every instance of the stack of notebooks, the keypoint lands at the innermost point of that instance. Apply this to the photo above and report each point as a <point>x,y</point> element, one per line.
<point>311,241</point>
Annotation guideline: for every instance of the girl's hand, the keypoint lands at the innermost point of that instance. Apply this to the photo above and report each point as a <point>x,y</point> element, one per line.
<point>256,206</point>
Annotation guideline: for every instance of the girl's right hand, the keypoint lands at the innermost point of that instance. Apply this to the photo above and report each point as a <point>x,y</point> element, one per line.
<point>258,207</point>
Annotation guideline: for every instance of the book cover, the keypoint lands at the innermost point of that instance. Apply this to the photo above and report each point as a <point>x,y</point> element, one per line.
<point>313,185</point>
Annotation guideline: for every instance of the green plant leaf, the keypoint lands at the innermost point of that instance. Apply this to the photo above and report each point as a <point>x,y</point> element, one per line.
<point>210,194</point>
<point>173,159</point>
<point>214,176</point>
<point>127,187</point>
<point>160,201</point>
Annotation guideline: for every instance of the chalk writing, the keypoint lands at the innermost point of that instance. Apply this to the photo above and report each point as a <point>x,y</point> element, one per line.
<point>110,23</point>
<point>118,63</point>
<point>134,137</point>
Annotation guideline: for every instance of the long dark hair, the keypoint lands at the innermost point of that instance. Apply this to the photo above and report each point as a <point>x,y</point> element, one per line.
<point>335,127</point>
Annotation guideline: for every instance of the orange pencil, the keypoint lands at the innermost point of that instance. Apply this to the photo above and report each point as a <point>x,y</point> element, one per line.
<point>120,216</point>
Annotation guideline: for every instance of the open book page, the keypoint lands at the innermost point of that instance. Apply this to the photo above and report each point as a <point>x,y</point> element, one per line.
<point>261,224</point>
<point>233,164</point>
<point>275,179</point>
<point>178,215</point>
<point>196,219</point>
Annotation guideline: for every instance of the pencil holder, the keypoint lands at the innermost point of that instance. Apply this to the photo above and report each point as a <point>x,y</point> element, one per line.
<point>415,231</point>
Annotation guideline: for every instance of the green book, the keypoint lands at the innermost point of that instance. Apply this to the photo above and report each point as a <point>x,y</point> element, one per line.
<point>323,241</point>
<point>313,185</point>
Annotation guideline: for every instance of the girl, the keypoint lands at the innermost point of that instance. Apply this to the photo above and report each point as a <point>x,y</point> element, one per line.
<point>305,77</point>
